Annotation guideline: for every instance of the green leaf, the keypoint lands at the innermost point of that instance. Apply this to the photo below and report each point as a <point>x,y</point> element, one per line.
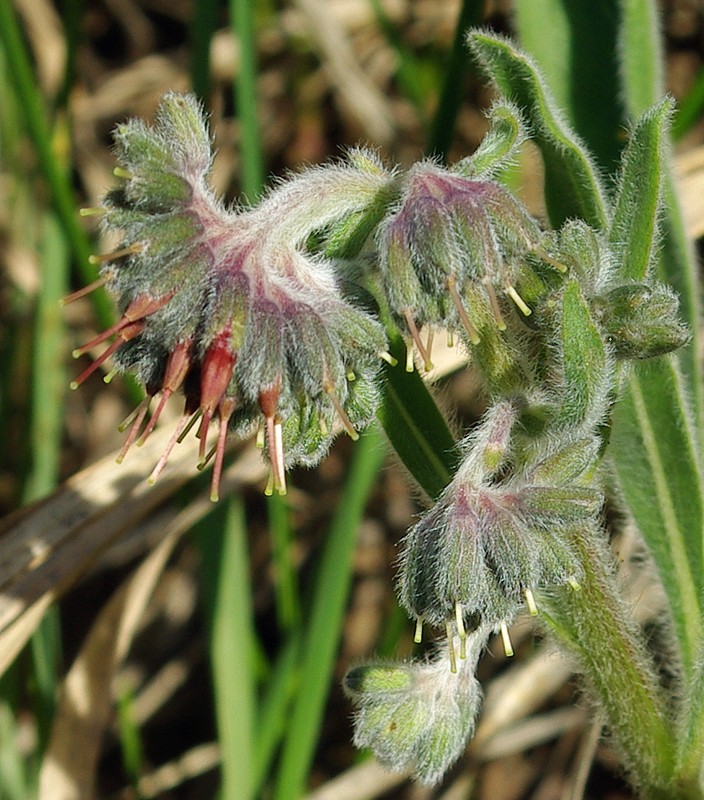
<point>653,448</point>
<point>596,624</point>
<point>572,184</point>
<point>640,55</point>
<point>633,234</point>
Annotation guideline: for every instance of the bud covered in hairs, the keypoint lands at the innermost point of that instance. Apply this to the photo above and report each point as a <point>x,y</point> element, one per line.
<point>418,716</point>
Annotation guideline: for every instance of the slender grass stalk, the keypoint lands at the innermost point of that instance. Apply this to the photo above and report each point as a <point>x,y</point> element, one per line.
<point>130,740</point>
<point>288,604</point>
<point>326,615</point>
<point>39,130</point>
<point>453,87</point>
<point>227,580</point>
<point>204,23</point>
<point>242,22</point>
<point>273,710</point>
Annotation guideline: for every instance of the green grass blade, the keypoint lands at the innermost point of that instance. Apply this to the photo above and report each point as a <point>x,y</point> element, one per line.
<point>39,129</point>
<point>48,377</point>
<point>326,617</point>
<point>577,55</point>
<point>690,108</point>
<point>415,427</point>
<point>226,576</point>
<point>453,88</point>
<point>288,604</point>
<point>572,182</point>
<point>272,715</point>
<point>640,56</point>
<point>204,23</point>
<point>130,740</point>
<point>242,23</point>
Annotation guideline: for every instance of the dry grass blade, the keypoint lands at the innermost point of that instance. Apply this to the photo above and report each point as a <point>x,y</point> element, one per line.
<point>48,546</point>
<point>85,706</point>
<point>356,91</point>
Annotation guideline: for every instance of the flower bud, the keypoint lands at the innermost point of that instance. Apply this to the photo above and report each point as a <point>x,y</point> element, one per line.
<point>418,716</point>
<point>641,321</point>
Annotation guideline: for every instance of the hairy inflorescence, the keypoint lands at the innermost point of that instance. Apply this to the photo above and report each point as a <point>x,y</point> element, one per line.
<point>268,319</point>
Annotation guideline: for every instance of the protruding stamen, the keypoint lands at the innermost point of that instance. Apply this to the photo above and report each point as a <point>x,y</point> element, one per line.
<point>451,647</point>
<point>415,335</point>
<point>429,343</point>
<point>495,308</point>
<point>543,256</point>
<point>92,211</point>
<point>119,172</point>
<point>530,602</point>
<point>203,436</point>
<point>280,472</point>
<point>457,300</point>
<point>191,422</point>
<point>508,647</point>
<point>176,437</point>
<point>410,365</point>
<point>351,376</point>
<point>450,339</point>
<point>135,418</point>
<point>386,356</point>
<point>573,583</point>
<point>269,488</point>
<point>126,334</point>
<point>174,375</point>
<point>70,298</point>
<point>138,309</point>
<point>341,413</point>
<point>418,635</point>
<point>461,631</point>
<point>108,378</point>
<point>459,621</point>
<point>227,407</point>
<point>518,300</point>
<point>260,440</point>
<point>130,250</point>
<point>274,438</point>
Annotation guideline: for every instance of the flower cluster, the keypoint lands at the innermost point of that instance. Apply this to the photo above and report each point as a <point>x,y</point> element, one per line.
<point>227,305</point>
<point>244,311</point>
<point>490,543</point>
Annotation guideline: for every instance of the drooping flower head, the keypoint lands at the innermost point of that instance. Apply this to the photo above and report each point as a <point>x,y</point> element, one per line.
<point>495,537</point>
<point>227,305</point>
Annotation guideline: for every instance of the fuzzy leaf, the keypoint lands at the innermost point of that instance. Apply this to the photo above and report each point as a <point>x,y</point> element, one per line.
<point>584,359</point>
<point>633,234</point>
<point>572,185</point>
<point>653,448</point>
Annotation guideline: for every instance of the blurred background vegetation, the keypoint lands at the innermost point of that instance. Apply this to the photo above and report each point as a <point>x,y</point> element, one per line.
<point>152,645</point>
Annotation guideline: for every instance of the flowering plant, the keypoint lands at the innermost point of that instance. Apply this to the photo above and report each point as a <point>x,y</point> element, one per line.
<point>280,319</point>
